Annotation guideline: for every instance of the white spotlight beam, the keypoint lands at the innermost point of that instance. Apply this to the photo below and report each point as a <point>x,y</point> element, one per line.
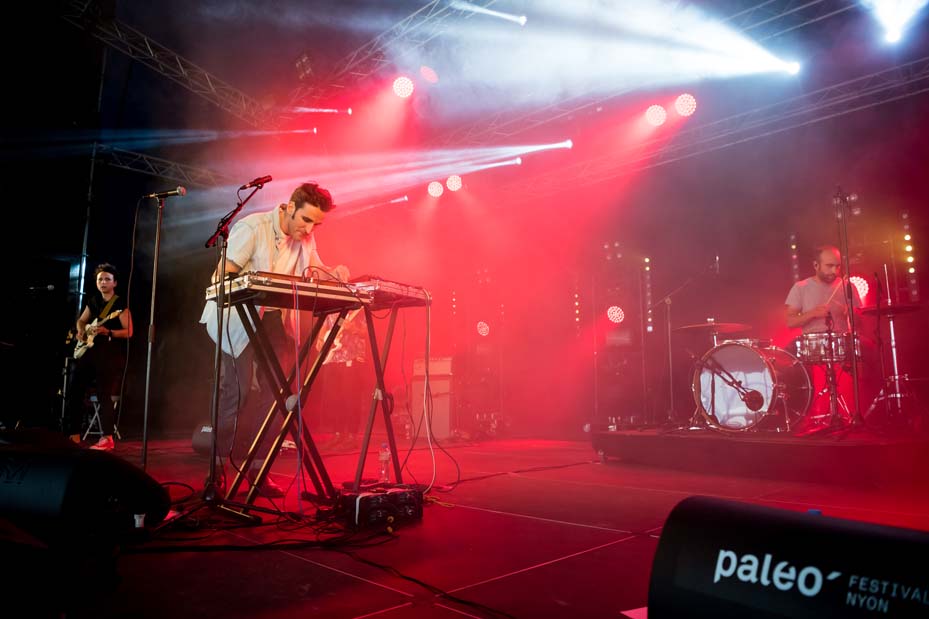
<point>163,168</point>
<point>894,15</point>
<point>413,32</point>
<point>461,5</point>
<point>900,82</point>
<point>763,20</point>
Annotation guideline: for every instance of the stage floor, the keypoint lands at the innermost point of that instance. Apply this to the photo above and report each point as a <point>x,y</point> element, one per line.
<point>533,529</point>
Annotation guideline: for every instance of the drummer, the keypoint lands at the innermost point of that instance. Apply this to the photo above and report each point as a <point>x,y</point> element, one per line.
<point>808,304</point>
<point>812,300</point>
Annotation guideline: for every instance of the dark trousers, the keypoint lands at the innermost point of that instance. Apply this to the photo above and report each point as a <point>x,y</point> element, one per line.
<point>241,410</point>
<point>102,364</point>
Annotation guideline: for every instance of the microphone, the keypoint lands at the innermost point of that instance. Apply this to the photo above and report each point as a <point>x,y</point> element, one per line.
<point>48,287</point>
<point>753,400</point>
<point>179,191</point>
<point>258,182</point>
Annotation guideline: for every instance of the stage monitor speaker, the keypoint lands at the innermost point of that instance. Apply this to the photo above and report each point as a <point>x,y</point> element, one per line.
<point>720,559</point>
<point>60,493</point>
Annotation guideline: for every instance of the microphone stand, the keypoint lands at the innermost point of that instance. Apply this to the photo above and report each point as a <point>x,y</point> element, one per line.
<point>211,496</point>
<point>151,332</point>
<point>841,201</point>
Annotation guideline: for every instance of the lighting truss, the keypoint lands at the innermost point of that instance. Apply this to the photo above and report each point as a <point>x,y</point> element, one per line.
<point>894,84</point>
<point>760,20</point>
<point>132,43</point>
<point>162,168</point>
<point>414,31</point>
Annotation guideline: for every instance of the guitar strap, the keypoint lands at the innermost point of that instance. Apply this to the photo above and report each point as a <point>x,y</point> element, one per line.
<point>106,308</point>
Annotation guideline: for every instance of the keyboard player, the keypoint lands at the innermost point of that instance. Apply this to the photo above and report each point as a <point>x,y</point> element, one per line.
<point>282,240</point>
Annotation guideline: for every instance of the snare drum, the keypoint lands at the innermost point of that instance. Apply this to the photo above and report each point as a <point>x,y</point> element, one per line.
<point>753,342</point>
<point>778,376</point>
<point>816,348</point>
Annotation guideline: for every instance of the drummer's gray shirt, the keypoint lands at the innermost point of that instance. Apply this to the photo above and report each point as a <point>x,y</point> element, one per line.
<point>810,293</point>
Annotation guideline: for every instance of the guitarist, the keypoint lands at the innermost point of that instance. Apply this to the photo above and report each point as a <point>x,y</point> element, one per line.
<point>103,330</point>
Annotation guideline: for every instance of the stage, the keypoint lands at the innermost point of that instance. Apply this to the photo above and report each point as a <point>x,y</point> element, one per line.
<point>534,528</point>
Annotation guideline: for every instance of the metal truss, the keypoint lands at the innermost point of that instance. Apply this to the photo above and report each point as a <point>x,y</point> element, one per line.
<point>163,168</point>
<point>415,31</point>
<point>131,42</point>
<point>894,84</point>
<point>760,20</point>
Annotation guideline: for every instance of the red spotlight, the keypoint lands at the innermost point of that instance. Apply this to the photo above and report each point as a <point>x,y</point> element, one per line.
<point>429,74</point>
<point>483,329</point>
<point>435,189</point>
<point>453,183</point>
<point>861,284</point>
<point>685,104</point>
<point>616,314</point>
<point>403,87</point>
<point>656,115</point>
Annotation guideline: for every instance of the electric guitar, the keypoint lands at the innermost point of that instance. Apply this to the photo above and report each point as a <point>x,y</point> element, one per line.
<point>91,331</point>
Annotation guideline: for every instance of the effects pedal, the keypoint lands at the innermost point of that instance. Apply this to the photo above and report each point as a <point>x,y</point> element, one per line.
<point>381,506</point>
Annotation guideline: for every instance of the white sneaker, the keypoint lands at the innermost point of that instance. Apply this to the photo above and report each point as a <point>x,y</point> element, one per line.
<point>104,444</point>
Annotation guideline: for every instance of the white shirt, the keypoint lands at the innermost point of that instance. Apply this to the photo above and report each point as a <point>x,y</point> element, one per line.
<point>257,243</point>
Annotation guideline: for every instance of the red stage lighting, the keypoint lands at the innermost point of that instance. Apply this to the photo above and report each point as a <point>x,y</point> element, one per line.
<point>656,115</point>
<point>453,183</point>
<point>403,87</point>
<point>435,189</point>
<point>483,329</point>
<point>686,104</point>
<point>861,284</point>
<point>616,314</point>
<point>429,74</point>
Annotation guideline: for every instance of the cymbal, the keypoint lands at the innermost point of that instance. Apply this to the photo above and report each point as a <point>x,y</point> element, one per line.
<point>891,310</point>
<point>716,327</point>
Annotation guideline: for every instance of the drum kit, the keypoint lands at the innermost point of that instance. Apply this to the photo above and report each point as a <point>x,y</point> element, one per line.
<point>742,385</point>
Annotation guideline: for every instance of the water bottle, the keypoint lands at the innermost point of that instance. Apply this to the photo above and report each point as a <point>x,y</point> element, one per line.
<point>383,460</point>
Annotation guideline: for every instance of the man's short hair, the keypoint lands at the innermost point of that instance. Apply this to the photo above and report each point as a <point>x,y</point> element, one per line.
<point>819,249</point>
<point>313,194</point>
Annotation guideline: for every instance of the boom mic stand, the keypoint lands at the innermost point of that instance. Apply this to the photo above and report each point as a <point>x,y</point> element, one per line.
<point>211,494</point>
<point>666,301</point>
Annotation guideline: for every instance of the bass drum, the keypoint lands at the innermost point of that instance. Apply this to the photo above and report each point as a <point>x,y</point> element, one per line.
<point>777,375</point>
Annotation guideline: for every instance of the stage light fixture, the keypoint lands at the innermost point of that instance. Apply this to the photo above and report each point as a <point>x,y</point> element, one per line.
<point>685,104</point>
<point>616,314</point>
<point>483,329</point>
<point>907,237</point>
<point>453,183</point>
<point>792,67</point>
<point>403,87</point>
<point>910,259</point>
<point>655,115</point>
<point>429,74</point>
<point>861,284</point>
<point>894,15</point>
<point>909,248</point>
<point>435,189</point>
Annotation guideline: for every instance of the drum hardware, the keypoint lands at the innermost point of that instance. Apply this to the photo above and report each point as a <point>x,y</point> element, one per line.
<point>751,397</point>
<point>666,301</point>
<point>895,388</point>
<point>842,203</point>
<point>772,375</point>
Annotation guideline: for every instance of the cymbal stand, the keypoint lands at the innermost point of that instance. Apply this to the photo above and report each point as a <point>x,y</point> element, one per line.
<point>895,387</point>
<point>841,200</point>
<point>666,301</point>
